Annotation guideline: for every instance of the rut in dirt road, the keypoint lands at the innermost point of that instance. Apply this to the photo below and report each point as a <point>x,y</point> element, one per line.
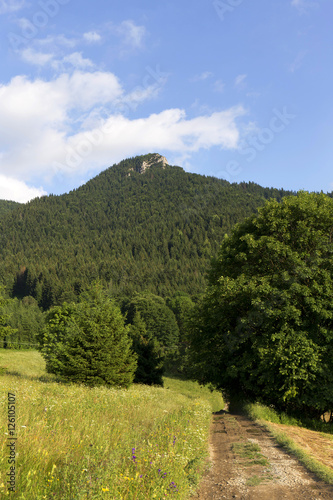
<point>246,463</point>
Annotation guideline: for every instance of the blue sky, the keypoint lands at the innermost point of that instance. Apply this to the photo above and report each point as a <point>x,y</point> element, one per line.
<point>237,89</point>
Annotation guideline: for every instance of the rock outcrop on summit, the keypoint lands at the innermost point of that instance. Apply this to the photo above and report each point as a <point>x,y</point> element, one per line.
<point>153,159</point>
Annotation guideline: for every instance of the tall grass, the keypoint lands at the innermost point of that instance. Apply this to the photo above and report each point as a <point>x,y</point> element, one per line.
<point>80,443</point>
<point>258,411</point>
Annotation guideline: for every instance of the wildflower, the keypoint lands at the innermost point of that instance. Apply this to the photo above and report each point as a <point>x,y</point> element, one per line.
<point>173,485</point>
<point>105,489</point>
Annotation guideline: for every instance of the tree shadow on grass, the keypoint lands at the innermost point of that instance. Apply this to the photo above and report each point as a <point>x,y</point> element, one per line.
<point>47,378</point>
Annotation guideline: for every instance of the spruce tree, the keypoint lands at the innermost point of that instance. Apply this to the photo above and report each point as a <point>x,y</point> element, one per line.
<point>150,363</point>
<point>89,343</point>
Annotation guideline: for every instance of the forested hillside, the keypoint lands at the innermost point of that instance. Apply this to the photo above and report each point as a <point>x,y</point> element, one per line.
<point>7,206</point>
<point>136,226</point>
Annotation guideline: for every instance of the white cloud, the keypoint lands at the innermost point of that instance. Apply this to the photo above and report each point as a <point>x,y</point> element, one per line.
<point>76,60</point>
<point>56,41</point>
<point>139,95</point>
<point>131,33</point>
<point>239,80</point>
<point>119,137</point>
<point>10,5</point>
<point>38,58</point>
<point>74,124</point>
<point>16,190</point>
<point>92,37</point>
<point>37,115</point>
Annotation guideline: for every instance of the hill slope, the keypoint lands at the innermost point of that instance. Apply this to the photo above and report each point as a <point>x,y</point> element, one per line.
<point>7,206</point>
<point>140,224</point>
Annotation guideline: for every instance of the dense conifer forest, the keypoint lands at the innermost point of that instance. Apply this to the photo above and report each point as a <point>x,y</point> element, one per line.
<point>135,229</point>
<point>7,206</point>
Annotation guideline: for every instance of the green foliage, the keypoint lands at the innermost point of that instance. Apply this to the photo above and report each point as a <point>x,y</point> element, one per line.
<point>258,411</point>
<point>265,326</point>
<point>89,343</point>
<point>182,306</point>
<point>5,329</point>
<point>7,206</point>
<point>150,363</point>
<point>134,231</point>
<point>159,320</point>
<point>27,322</point>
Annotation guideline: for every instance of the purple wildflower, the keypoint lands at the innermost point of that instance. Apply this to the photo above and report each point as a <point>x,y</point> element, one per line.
<point>174,486</point>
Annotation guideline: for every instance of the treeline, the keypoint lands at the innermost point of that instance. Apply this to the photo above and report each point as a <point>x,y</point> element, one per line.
<point>154,232</point>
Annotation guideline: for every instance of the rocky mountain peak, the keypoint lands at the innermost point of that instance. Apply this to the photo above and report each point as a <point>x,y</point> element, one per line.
<point>147,161</point>
<point>155,158</point>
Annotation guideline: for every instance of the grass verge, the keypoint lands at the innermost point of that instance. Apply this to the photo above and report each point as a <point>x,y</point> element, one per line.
<point>263,415</point>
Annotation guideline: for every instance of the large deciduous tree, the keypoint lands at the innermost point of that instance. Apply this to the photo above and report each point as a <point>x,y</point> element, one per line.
<point>265,326</point>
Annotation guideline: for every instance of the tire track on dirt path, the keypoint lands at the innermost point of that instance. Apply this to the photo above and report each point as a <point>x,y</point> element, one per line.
<point>246,463</point>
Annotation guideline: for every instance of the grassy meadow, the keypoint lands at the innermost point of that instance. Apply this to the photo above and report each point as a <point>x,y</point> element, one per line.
<point>79,443</point>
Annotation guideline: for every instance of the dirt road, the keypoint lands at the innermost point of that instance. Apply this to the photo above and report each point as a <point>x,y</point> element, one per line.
<point>246,463</point>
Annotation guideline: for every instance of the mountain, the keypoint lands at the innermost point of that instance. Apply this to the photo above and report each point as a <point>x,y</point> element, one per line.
<point>7,206</point>
<point>139,225</point>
